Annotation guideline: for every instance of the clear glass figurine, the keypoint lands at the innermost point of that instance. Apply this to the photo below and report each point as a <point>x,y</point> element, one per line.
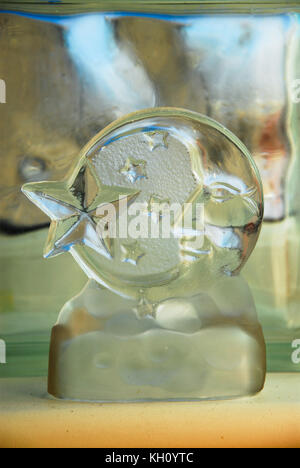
<point>161,211</point>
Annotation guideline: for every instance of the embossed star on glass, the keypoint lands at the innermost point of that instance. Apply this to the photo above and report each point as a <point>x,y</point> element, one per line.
<point>161,211</point>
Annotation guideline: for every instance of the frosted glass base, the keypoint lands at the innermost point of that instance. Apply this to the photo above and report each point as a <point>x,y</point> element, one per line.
<point>107,348</point>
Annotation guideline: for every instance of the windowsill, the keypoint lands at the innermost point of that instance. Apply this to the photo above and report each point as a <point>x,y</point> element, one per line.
<point>28,418</point>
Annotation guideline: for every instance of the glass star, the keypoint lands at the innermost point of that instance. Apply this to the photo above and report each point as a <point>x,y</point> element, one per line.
<point>157,207</point>
<point>157,139</point>
<point>134,169</point>
<point>144,308</point>
<point>72,206</point>
<point>131,253</point>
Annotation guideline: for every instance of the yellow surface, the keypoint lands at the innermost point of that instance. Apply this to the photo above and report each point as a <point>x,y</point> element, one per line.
<point>28,418</point>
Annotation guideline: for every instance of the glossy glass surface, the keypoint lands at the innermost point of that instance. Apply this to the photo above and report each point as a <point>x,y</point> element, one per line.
<point>206,178</point>
<point>67,77</point>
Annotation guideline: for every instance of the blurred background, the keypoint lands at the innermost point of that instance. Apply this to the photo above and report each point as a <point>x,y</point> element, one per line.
<point>68,76</point>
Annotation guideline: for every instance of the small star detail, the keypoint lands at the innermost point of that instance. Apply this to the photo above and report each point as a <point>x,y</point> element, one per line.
<point>158,207</point>
<point>131,253</point>
<point>134,170</point>
<point>158,139</point>
<point>144,309</point>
